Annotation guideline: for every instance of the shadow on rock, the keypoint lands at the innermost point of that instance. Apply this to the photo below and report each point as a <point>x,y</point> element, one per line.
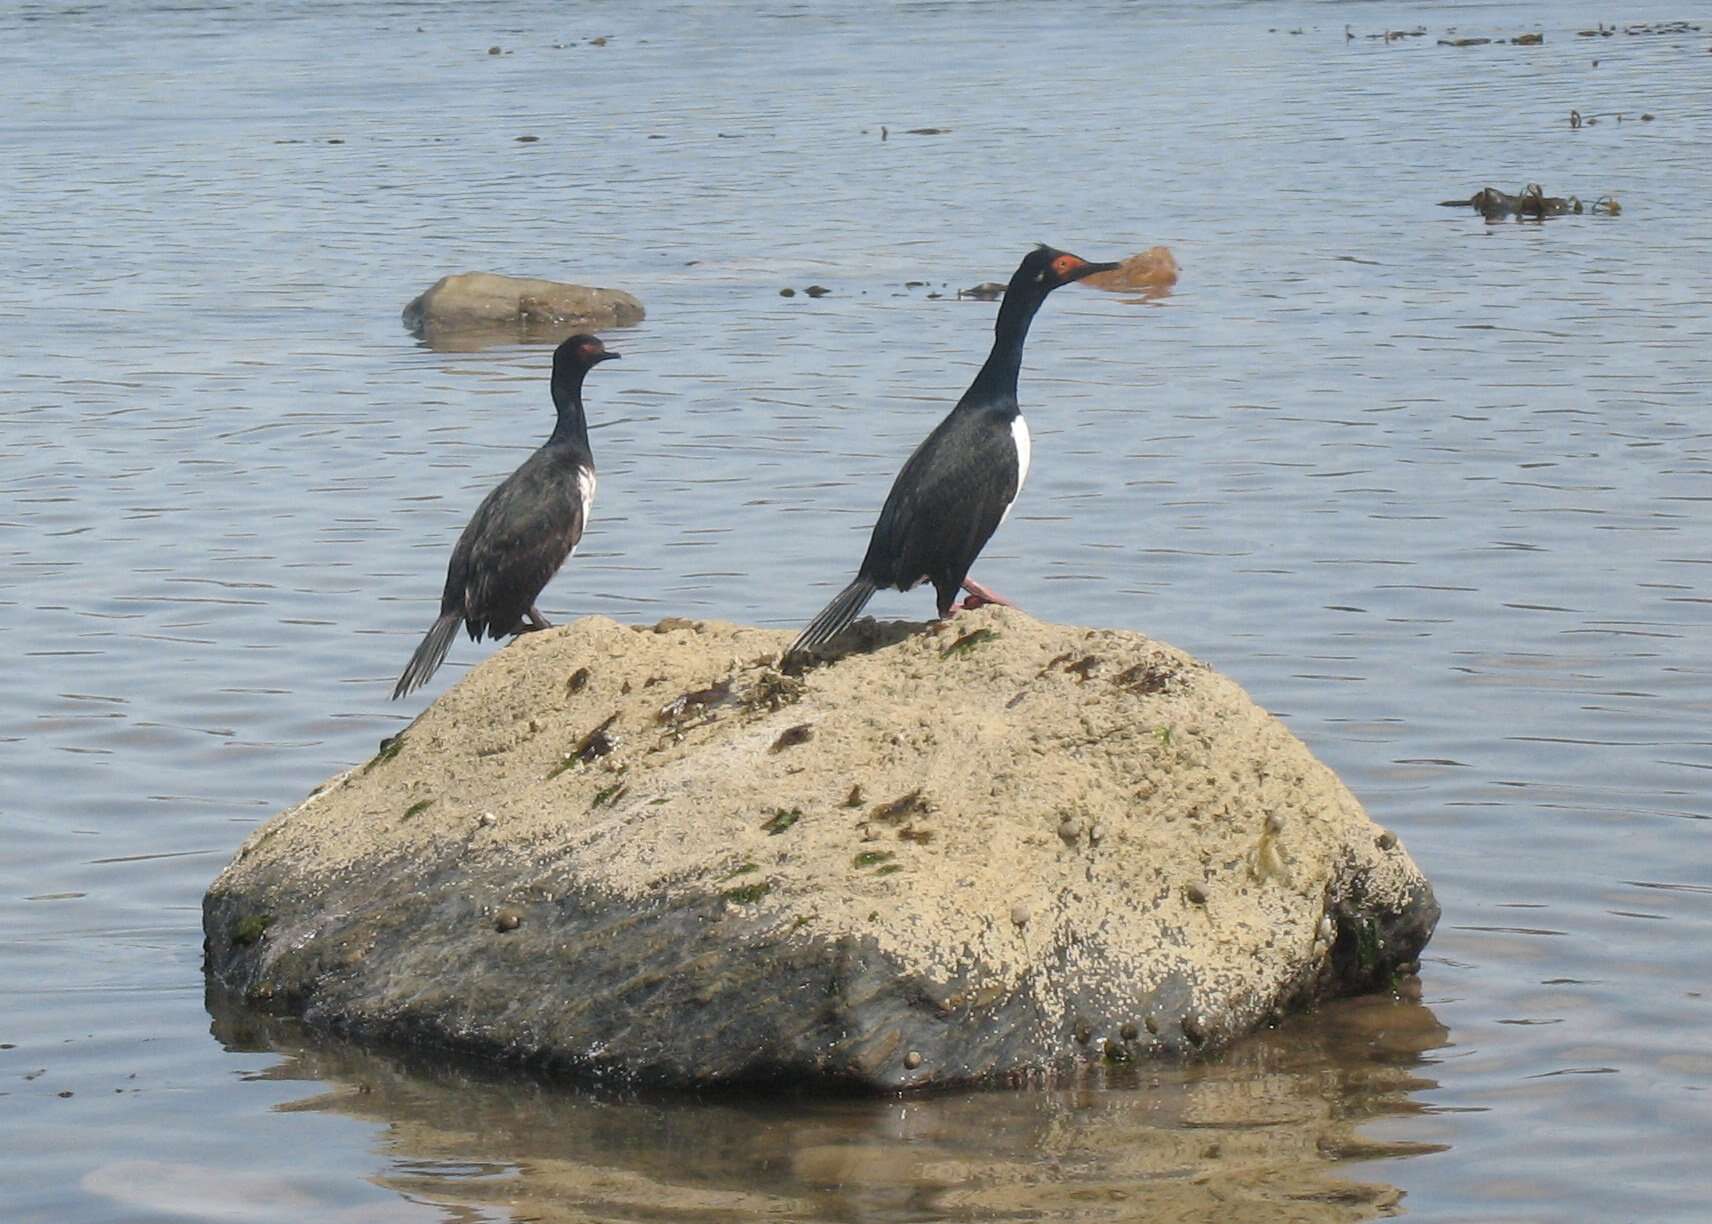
<point>864,636</point>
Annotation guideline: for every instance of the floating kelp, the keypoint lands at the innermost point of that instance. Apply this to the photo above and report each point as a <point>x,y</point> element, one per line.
<point>1530,202</point>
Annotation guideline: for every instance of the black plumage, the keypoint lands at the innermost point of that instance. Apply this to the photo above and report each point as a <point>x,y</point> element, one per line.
<point>523,531</point>
<point>955,490</point>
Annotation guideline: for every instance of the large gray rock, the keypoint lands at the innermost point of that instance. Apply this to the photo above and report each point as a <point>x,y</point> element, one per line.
<point>1004,851</point>
<point>482,307</point>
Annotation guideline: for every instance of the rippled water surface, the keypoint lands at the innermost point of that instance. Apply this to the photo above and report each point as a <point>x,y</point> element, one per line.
<point>1437,491</point>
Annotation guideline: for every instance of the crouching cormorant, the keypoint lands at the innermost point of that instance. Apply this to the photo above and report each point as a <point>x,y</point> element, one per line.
<point>522,532</point>
<point>958,486</point>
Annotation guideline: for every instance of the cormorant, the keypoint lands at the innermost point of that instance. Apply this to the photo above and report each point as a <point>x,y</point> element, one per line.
<point>523,531</point>
<point>958,486</point>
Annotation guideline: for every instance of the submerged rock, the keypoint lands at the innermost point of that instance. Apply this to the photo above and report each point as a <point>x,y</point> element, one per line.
<point>483,307</point>
<point>1007,851</point>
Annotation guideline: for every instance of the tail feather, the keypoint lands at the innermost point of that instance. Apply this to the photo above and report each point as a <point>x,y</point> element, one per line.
<point>833,618</point>
<point>429,655</point>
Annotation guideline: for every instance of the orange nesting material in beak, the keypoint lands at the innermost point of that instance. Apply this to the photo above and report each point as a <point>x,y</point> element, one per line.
<point>1154,268</point>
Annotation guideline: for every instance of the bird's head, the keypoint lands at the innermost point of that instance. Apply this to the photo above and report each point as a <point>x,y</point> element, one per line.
<point>1046,268</point>
<point>579,354</point>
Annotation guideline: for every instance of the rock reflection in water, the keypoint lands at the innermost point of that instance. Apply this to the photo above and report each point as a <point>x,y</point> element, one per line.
<point>1261,1134</point>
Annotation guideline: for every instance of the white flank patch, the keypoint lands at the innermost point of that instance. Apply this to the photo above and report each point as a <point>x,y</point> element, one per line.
<point>1019,435</point>
<point>585,484</point>
<point>586,481</point>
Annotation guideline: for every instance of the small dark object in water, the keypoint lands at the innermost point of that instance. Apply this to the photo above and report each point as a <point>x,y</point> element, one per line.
<point>816,291</point>
<point>1534,202</point>
<point>986,291</point>
<point>1531,201</point>
<point>527,139</point>
<point>523,531</point>
<point>1529,40</point>
<point>1463,42</point>
<point>787,292</point>
<point>928,131</point>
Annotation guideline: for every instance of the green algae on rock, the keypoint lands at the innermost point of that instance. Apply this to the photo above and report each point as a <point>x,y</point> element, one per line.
<point>665,925</point>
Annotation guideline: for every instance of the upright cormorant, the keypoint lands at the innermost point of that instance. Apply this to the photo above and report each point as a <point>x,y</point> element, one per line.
<point>522,532</point>
<point>958,486</point>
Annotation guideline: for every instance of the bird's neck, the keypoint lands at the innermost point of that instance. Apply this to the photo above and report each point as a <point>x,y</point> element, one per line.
<point>997,381</point>
<point>568,399</point>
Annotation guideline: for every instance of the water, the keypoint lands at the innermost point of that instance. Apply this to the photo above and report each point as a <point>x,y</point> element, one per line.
<point>1435,491</point>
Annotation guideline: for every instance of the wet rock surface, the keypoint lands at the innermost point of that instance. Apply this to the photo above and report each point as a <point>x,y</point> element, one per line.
<point>473,308</point>
<point>1006,851</point>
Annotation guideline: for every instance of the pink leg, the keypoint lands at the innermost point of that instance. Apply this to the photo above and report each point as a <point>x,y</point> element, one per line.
<point>979,596</point>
